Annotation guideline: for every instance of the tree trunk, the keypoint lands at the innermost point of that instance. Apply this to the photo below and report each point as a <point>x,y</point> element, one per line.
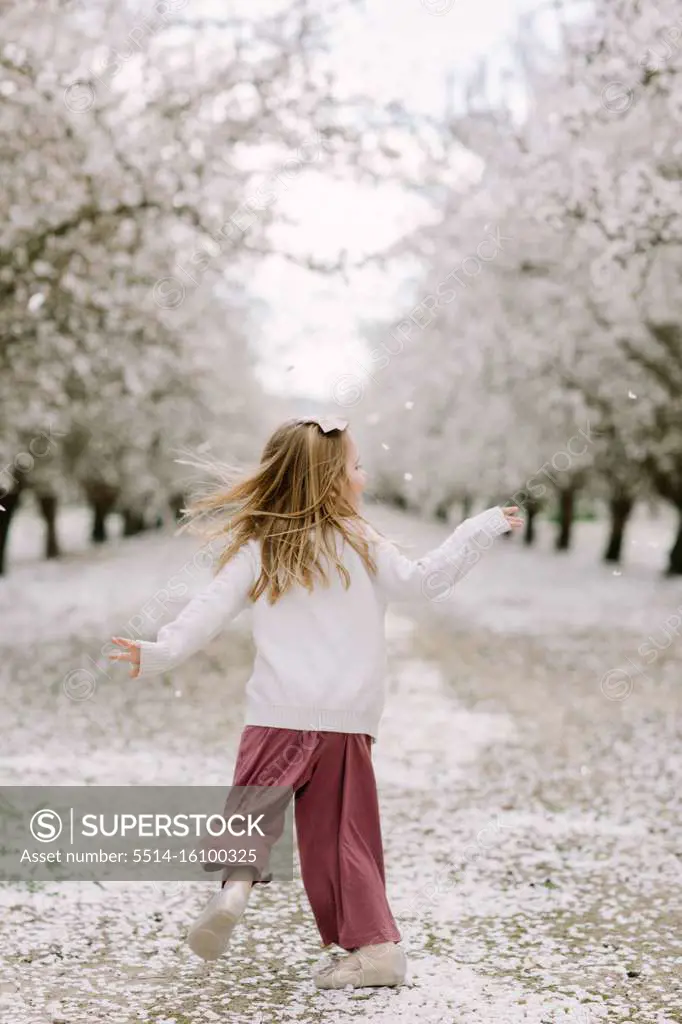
<point>566,513</point>
<point>100,511</point>
<point>9,502</point>
<point>177,503</point>
<point>531,507</point>
<point>441,511</point>
<point>47,503</point>
<point>675,556</point>
<point>620,508</point>
<point>101,498</point>
<point>133,522</point>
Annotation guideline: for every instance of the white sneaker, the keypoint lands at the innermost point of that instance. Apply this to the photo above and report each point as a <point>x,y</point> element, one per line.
<point>382,964</point>
<point>210,934</point>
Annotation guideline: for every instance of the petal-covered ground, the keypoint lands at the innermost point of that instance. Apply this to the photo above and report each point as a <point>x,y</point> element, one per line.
<point>529,768</point>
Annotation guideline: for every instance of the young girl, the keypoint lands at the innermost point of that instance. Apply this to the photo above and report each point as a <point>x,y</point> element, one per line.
<point>318,578</point>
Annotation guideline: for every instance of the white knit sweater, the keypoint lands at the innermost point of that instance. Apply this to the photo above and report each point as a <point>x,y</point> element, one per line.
<point>321,656</point>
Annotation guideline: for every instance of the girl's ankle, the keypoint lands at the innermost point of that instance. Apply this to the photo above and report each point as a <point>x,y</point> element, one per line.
<point>241,875</point>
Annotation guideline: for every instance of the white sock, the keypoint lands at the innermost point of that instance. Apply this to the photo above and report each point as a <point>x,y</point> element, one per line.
<point>241,888</point>
<point>242,875</point>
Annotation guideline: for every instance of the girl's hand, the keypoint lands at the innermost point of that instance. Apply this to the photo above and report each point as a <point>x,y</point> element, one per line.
<point>509,514</point>
<point>130,653</point>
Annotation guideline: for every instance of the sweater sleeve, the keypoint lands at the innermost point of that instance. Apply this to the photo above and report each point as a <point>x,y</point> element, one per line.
<point>202,618</point>
<point>433,576</point>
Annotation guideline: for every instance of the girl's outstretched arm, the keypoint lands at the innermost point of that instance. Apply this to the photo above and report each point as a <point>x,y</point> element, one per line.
<point>433,576</point>
<point>198,622</point>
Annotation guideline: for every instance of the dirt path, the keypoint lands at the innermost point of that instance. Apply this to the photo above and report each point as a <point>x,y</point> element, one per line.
<point>531,808</point>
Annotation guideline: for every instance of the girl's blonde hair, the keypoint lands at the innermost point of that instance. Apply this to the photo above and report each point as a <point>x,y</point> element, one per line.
<point>294,504</point>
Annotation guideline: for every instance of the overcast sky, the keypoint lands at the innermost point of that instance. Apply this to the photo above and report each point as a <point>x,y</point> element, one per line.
<point>395,49</point>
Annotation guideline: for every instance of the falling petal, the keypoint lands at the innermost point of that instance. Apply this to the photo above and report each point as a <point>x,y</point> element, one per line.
<point>409,405</point>
<point>385,446</point>
<point>407,476</point>
<point>631,394</point>
<point>617,572</point>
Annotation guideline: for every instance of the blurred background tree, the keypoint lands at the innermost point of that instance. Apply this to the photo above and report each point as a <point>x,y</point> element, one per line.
<point>570,329</point>
<point>535,354</point>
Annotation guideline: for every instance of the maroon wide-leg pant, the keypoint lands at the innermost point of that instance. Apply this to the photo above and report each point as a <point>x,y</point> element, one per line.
<point>337,825</point>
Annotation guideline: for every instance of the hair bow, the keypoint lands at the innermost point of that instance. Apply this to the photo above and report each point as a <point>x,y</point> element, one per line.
<point>327,423</point>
